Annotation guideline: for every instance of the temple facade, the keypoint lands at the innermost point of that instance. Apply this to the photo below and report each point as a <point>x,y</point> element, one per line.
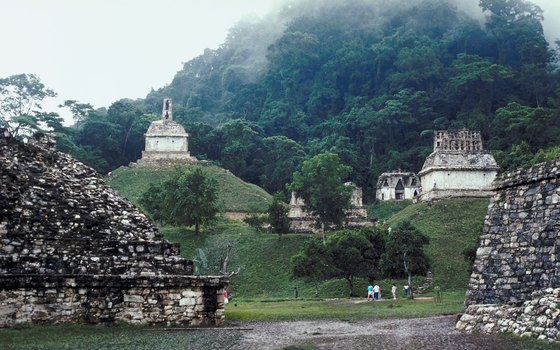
<point>167,143</point>
<point>458,167</point>
<point>398,185</point>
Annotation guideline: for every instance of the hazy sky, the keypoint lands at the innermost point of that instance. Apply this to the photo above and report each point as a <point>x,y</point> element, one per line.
<point>98,51</point>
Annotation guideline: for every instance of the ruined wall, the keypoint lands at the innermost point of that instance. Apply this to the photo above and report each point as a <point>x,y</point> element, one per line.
<point>72,249</point>
<point>515,282</point>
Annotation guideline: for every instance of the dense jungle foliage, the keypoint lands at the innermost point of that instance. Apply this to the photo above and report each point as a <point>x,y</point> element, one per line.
<point>364,80</point>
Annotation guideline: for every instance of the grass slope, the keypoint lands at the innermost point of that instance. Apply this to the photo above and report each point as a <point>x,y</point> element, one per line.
<point>235,194</point>
<point>265,259</point>
<point>451,225</point>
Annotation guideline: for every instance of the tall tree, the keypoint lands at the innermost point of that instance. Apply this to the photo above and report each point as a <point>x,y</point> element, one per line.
<point>351,255</point>
<point>20,104</point>
<point>189,197</point>
<point>404,255</point>
<point>278,214</point>
<point>312,263</point>
<point>320,183</point>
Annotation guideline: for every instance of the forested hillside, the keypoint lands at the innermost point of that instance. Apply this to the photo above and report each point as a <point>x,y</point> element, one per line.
<point>368,80</point>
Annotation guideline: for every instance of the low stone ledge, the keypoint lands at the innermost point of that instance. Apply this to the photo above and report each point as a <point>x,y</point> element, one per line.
<point>169,299</point>
<point>15,281</point>
<point>537,318</point>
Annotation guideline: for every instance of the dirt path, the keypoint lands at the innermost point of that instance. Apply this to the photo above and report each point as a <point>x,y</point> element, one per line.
<point>395,334</point>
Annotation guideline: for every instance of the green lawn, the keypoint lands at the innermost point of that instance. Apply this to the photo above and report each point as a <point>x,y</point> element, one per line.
<point>341,308</point>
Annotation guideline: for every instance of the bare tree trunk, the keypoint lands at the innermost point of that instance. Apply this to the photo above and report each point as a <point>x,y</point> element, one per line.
<point>409,276</point>
<point>350,286</point>
<point>226,259</point>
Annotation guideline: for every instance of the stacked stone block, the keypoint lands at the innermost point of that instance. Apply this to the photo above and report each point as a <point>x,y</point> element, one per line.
<point>72,249</point>
<point>518,262</point>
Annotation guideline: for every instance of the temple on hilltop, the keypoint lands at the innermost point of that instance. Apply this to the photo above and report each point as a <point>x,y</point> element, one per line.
<point>167,143</point>
<point>458,167</point>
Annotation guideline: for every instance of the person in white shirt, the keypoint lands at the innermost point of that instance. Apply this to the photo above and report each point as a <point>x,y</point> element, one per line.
<point>376,292</point>
<point>394,292</point>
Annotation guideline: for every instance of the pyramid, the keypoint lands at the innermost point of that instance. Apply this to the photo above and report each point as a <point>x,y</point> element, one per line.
<point>72,249</point>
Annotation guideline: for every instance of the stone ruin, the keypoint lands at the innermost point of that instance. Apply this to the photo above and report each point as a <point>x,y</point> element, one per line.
<point>356,216</point>
<point>167,143</point>
<point>515,283</point>
<point>73,250</point>
<point>397,185</point>
<point>458,167</point>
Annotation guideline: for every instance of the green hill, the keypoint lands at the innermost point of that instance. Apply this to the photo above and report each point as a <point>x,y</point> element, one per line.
<point>236,195</point>
<point>265,259</point>
<point>451,225</point>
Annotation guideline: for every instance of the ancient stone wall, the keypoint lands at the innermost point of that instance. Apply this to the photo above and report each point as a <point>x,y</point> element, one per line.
<point>72,249</point>
<point>518,261</point>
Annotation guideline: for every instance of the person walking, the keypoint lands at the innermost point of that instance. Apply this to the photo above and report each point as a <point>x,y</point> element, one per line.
<point>394,291</point>
<point>406,291</point>
<point>369,292</point>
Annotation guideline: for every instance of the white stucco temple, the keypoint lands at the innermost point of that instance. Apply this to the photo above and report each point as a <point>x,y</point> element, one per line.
<point>167,143</point>
<point>398,185</point>
<point>458,167</point>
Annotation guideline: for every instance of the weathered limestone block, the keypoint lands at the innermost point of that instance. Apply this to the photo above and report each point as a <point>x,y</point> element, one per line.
<point>517,269</point>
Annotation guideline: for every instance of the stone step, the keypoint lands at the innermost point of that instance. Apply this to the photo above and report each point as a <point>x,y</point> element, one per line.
<point>33,264</point>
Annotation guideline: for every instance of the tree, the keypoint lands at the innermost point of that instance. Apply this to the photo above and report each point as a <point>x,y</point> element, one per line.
<point>278,214</point>
<point>256,221</point>
<point>311,263</point>
<point>539,126</point>
<point>347,254</point>
<point>476,79</point>
<point>404,255</point>
<point>516,26</point>
<point>350,255</point>
<point>152,201</point>
<point>283,157</point>
<point>132,123</point>
<point>20,104</point>
<point>320,183</point>
<point>80,111</point>
<point>189,197</point>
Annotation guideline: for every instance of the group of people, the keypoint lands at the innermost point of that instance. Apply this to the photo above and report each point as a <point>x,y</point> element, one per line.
<point>374,292</point>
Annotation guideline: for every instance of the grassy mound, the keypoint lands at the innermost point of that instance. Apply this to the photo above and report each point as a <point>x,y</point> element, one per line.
<point>235,194</point>
<point>265,259</point>
<point>385,209</point>
<point>451,225</point>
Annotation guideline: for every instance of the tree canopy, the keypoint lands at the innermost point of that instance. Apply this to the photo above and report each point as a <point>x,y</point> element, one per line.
<point>20,105</point>
<point>189,197</point>
<point>369,83</point>
<point>320,183</point>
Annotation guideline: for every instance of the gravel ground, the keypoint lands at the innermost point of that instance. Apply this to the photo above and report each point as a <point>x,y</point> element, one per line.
<point>431,333</point>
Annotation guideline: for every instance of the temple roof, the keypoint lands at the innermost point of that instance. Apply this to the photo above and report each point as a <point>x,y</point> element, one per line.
<point>165,128</point>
